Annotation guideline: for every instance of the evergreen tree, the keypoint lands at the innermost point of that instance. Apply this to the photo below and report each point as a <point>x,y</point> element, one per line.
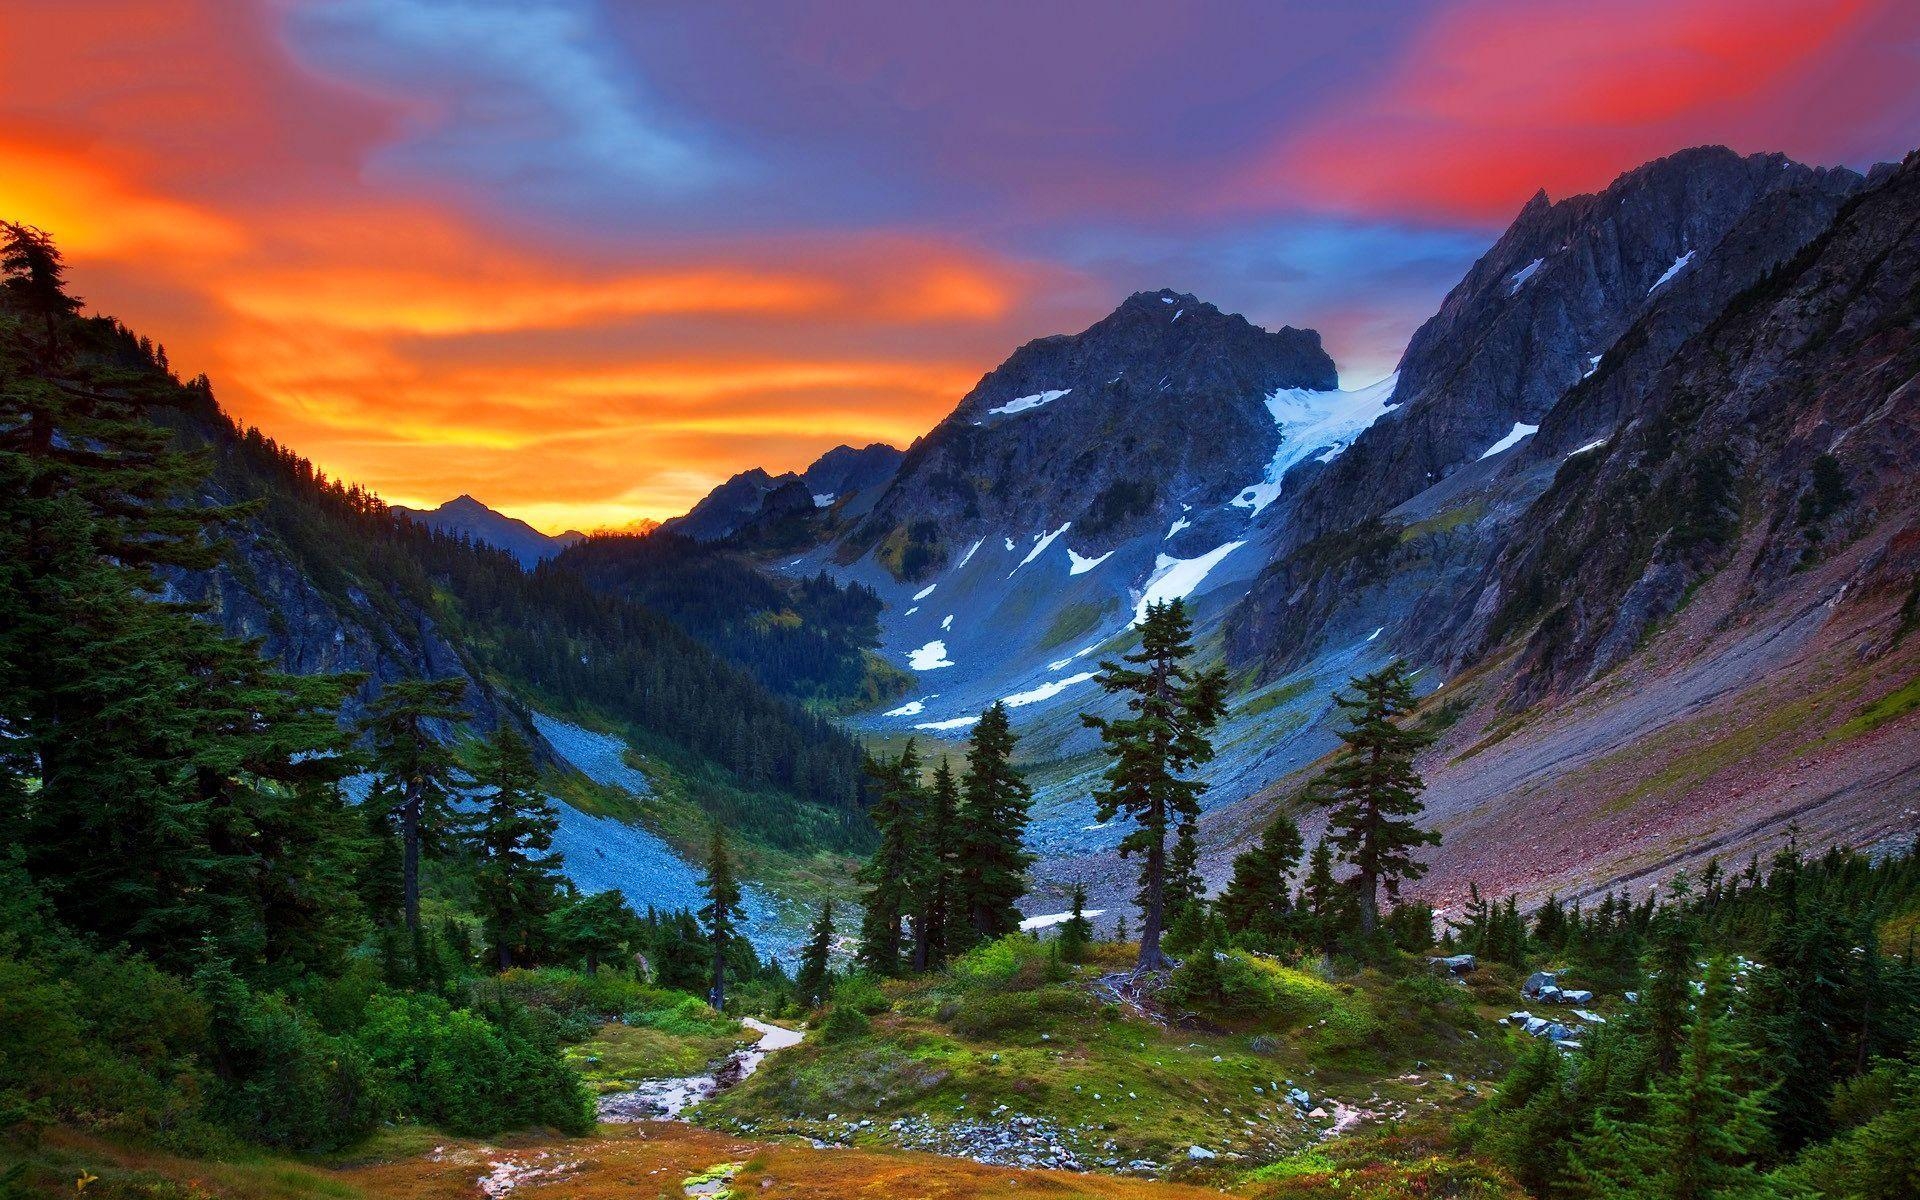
<point>1374,791</point>
<point>717,915</point>
<point>414,772</point>
<point>935,868</point>
<point>1172,708</point>
<point>517,881</point>
<point>1185,889</point>
<point>594,928</point>
<point>889,875</point>
<point>1077,931</point>
<point>1666,992</point>
<point>1324,900</point>
<point>168,761</point>
<point>990,854</point>
<point>815,977</point>
<point>1258,902</point>
<point>1701,1136</point>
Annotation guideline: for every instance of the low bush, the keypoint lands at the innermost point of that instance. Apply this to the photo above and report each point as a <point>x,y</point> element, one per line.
<point>997,1014</point>
<point>1011,964</point>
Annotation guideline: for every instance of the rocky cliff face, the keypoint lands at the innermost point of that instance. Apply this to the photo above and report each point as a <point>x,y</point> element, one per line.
<point>1163,404</point>
<point>1541,309</point>
<point>1591,296</point>
<point>1789,423</point>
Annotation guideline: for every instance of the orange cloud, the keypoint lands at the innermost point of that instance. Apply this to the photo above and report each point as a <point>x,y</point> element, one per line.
<point>1498,98</point>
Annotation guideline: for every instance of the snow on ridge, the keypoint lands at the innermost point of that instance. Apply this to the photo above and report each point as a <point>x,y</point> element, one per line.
<point>1679,265</point>
<point>953,723</point>
<point>1023,403</point>
<point>1521,276</point>
<point>1179,523</point>
<point>1045,691</point>
<point>911,708</point>
<point>1593,364</point>
<point>1595,444</point>
<point>1312,420</point>
<point>1082,565</point>
<point>1040,543</point>
<point>968,556</point>
<point>1082,652</point>
<point>926,591</point>
<point>822,499</point>
<point>1519,431</point>
<point>930,657</point>
<point>1176,578</point>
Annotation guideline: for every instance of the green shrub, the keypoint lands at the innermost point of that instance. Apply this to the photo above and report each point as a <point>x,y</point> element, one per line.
<point>1014,963</point>
<point>862,994</point>
<point>845,1024</point>
<point>456,1069</point>
<point>1240,984</point>
<point>996,1014</point>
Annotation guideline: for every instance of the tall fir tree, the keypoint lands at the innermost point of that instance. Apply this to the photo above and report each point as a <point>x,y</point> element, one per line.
<point>815,976</point>
<point>1374,791</point>
<point>415,773</point>
<point>990,854</point>
<point>1258,901</point>
<point>516,878</point>
<point>1172,708</point>
<point>936,870</point>
<point>890,873</point>
<point>1324,900</point>
<point>718,913</point>
<point>169,761</point>
<point>1076,931</point>
<point>594,928</point>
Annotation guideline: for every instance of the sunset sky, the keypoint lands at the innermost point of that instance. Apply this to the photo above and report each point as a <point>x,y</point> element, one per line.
<point>584,260</point>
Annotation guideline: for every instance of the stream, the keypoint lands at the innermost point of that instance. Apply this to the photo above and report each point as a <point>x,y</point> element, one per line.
<point>666,1099</point>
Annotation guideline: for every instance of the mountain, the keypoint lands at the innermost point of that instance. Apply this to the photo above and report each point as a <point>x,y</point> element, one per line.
<point>840,479</point>
<point>463,516</point>
<point>1174,450</point>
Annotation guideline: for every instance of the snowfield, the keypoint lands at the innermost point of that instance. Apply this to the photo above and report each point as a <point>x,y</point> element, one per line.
<point>1176,578</point>
<point>1679,265</point>
<point>1051,919</point>
<point>1040,543</point>
<point>1045,691</point>
<point>1080,566</point>
<point>1521,276</point>
<point>1311,421</point>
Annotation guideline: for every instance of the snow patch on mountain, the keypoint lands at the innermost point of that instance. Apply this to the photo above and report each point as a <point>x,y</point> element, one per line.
<point>1521,276</point>
<point>911,708</point>
<point>1045,691</point>
<point>1514,436</point>
<point>1176,578</point>
<point>1679,265</point>
<point>930,657</point>
<point>1080,566</point>
<point>968,556</point>
<point>1040,543</point>
<point>1309,421</point>
<point>926,591</point>
<point>954,723</point>
<point>1024,403</point>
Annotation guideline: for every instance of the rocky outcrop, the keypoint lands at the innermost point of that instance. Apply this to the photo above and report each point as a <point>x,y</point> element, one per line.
<point>726,508</point>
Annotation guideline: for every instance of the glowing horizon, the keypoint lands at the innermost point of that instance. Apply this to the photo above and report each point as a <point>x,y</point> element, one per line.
<point>583,261</point>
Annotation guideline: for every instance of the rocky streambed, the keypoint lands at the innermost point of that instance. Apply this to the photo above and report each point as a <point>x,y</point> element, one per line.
<point>667,1099</point>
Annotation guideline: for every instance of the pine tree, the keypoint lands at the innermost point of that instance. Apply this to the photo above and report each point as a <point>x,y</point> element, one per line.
<point>1258,901</point>
<point>717,915</point>
<point>990,854</point>
<point>935,868</point>
<point>889,875</point>
<point>1666,992</point>
<point>595,928</point>
<point>1185,889</point>
<point>1172,708</point>
<point>517,881</point>
<point>414,772</point>
<point>1324,900</point>
<point>815,977</point>
<point>1077,931</point>
<point>1374,791</point>
<point>169,762</point>
<point>1701,1136</point>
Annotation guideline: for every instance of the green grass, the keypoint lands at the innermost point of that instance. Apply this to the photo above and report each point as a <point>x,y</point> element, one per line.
<point>1076,621</point>
<point>1890,707</point>
<point>1006,1033</point>
<point>1445,521</point>
<point>1277,698</point>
